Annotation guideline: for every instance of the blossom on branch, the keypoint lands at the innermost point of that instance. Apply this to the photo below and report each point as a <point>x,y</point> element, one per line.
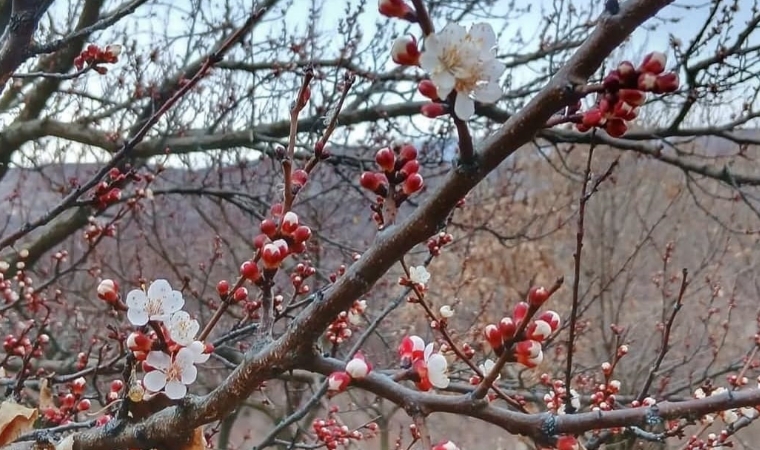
<point>158,304</point>
<point>171,374</point>
<point>462,61</point>
<point>182,329</point>
<point>419,275</point>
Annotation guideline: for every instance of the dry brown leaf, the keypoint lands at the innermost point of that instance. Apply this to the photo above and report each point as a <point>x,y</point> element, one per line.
<point>15,419</point>
<point>46,395</point>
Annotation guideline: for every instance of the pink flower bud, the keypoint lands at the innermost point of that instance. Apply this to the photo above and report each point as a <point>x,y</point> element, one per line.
<point>270,256</point>
<point>667,82</point>
<point>445,445</point>
<point>428,89</point>
<point>633,97</point>
<point>592,118</point>
<point>268,227</point>
<point>626,71</point>
<point>357,368</point>
<point>647,82</point>
<point>528,348</point>
<point>405,52</point>
<point>108,290</point>
<point>410,167</point>
<point>240,294</point>
<point>433,110</point>
<point>300,177</point>
<point>493,335</point>
<point>537,295</point>
<point>250,271</point>
<point>223,288</point>
<point>395,8</point>
<point>386,159</point>
<point>616,127</point>
<point>139,342</point>
<point>654,63</point>
<point>552,318</point>
<point>412,184</point>
<point>289,222</point>
<point>521,309</point>
<point>373,182</point>
<point>567,442</point>
<point>507,327</point>
<point>624,111</point>
<point>408,152</point>
<point>538,330</point>
<point>302,234</point>
<point>338,381</point>
<point>612,81</point>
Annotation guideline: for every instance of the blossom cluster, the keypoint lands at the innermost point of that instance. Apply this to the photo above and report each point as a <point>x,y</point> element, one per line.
<point>332,433</point>
<point>430,367</point>
<point>282,234</point>
<point>625,90</point>
<point>526,347</point>
<point>169,351</point>
<point>93,56</point>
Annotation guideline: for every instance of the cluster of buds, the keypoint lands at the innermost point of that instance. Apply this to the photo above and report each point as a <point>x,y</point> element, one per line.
<point>356,369</point>
<point>340,329</point>
<point>397,179</point>
<point>435,243</point>
<point>94,230</point>
<point>93,56</point>
<point>559,396</point>
<point>69,404</point>
<point>302,272</point>
<point>398,9</point>
<point>22,346</point>
<point>604,396</point>
<point>333,434</point>
<point>625,90</point>
<point>524,345</point>
<point>281,235</point>
<point>113,390</point>
<point>437,107</point>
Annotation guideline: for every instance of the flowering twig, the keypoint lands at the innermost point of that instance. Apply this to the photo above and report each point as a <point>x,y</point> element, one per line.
<point>585,196</point>
<point>128,146</point>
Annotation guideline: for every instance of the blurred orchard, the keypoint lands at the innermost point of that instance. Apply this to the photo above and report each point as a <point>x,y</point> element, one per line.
<point>394,224</point>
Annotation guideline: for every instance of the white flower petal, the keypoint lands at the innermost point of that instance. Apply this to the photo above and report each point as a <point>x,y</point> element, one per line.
<point>438,379</point>
<point>444,81</point>
<point>197,348</point>
<point>488,93</point>
<point>437,363</point>
<point>154,380</point>
<point>428,351</point>
<point>175,390</point>
<point>483,34</point>
<point>464,106</point>
<point>452,34</point>
<point>189,374</point>
<point>159,360</point>
<point>137,299</point>
<point>159,289</point>
<point>138,317</point>
<point>429,60</point>
<point>492,69</point>
<point>173,302</point>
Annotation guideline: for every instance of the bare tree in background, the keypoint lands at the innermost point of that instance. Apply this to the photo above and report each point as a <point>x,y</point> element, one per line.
<point>235,225</point>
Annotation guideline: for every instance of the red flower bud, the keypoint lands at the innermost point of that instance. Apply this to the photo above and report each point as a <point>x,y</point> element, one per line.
<point>240,294</point>
<point>616,127</point>
<point>612,81</point>
<point>626,72</point>
<point>493,335</point>
<point>268,227</point>
<point>289,222</point>
<point>338,381</point>
<point>552,318</point>
<point>369,181</point>
<point>507,327</point>
<point>537,295</point>
<point>592,118</point>
<point>410,167</point>
<point>395,8</point>
<point>412,184</point>
<point>624,111</point>
<point>408,152</point>
<point>405,52</point>
<point>667,82</point>
<point>108,290</point>
<point>385,159</point>
<point>300,177</point>
<point>250,271</point>
<point>647,82</point>
<point>567,443</point>
<point>520,311</point>
<point>302,233</point>
<point>428,89</point>
<point>260,240</point>
<point>633,97</point>
<point>270,256</point>
<point>654,63</point>
<point>433,110</point>
<point>223,288</point>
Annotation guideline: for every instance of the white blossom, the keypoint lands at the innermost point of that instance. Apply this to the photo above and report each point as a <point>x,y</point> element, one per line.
<point>437,368</point>
<point>171,375</point>
<point>182,329</point>
<point>419,275</point>
<point>487,367</point>
<point>464,62</point>
<point>446,311</point>
<point>158,304</point>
